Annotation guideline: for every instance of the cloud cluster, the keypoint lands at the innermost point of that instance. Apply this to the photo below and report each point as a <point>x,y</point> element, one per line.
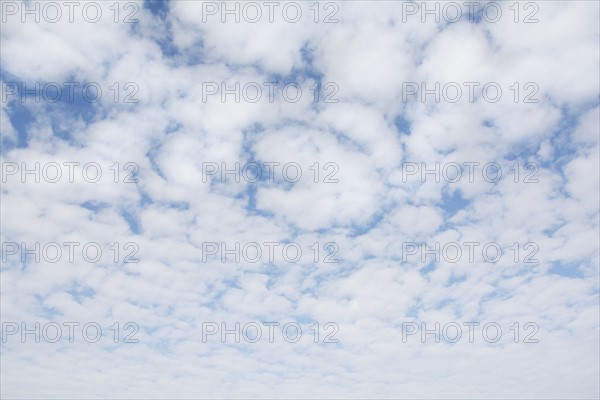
<point>354,127</point>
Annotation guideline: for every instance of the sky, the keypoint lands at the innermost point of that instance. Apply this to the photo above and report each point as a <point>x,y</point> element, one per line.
<point>310,199</point>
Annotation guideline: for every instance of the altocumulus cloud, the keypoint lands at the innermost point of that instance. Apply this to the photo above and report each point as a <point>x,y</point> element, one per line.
<point>300,199</point>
